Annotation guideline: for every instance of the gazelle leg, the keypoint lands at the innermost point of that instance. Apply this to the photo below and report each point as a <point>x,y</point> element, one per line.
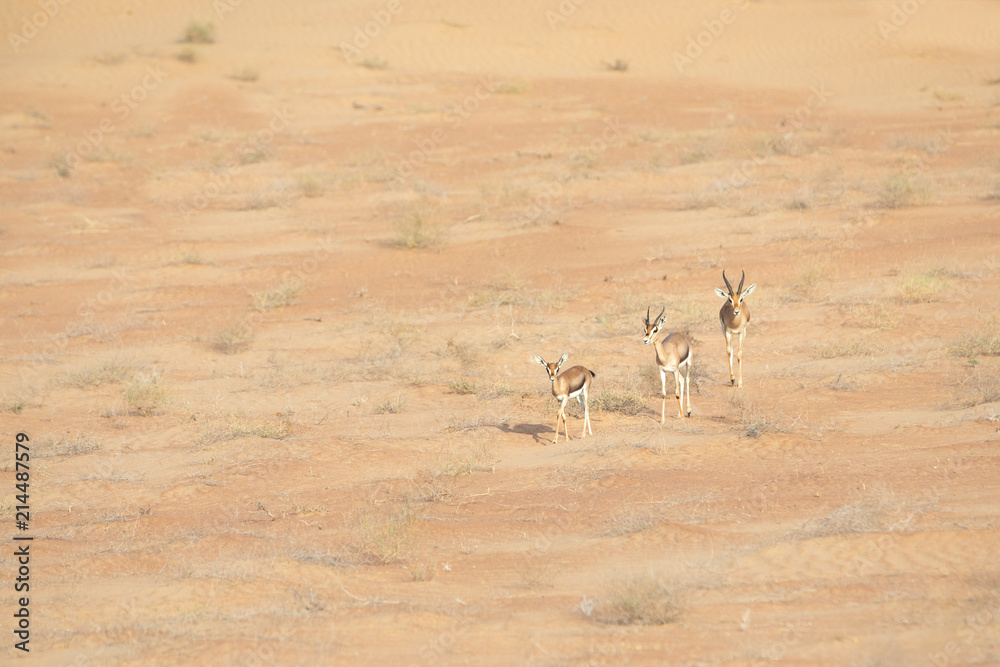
<point>663,391</point>
<point>729,351</point>
<point>562,412</point>
<point>687,388</point>
<point>679,392</point>
<point>586,413</point>
<point>739,356</point>
<point>558,420</point>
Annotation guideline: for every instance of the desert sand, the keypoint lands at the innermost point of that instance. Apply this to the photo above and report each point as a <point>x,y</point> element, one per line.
<point>272,288</point>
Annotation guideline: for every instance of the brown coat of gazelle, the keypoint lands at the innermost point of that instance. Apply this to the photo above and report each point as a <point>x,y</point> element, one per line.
<point>735,316</point>
<point>574,382</point>
<point>673,354</point>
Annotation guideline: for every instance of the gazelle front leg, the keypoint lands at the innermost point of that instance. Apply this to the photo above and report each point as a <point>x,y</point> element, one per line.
<point>739,357</point>
<point>562,415</point>
<point>729,351</point>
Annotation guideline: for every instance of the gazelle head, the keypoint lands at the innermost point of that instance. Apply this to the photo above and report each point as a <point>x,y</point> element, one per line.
<point>653,328</point>
<point>735,297</point>
<point>552,369</point>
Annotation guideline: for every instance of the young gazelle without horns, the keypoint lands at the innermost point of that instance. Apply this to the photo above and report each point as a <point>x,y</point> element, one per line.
<point>735,316</point>
<point>572,383</point>
<point>673,353</point>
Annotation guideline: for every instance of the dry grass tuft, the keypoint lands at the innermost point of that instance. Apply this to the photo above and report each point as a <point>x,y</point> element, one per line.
<point>384,533</point>
<point>391,406</point>
<point>198,33</point>
<point>858,347</point>
<point>983,342</point>
<point>146,394</point>
<point>236,337</point>
<point>904,189</point>
<point>882,511</point>
<point>638,600</point>
<point>277,296</point>
<point>754,420</point>
<point>416,232</point>
<point>876,314</point>
<point>237,426</point>
<point>113,371</point>
<point>924,286</point>
<point>981,386</point>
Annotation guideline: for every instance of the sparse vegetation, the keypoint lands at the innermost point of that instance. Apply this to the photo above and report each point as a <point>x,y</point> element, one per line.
<point>880,511</point>
<point>311,185</point>
<point>13,405</point>
<point>754,420</point>
<point>391,406</point>
<point>113,371</point>
<point>385,532</point>
<point>246,73</point>
<point>462,386</point>
<point>638,600</point>
<point>234,426</point>
<point>982,342</point>
<point>146,394</point>
<point>198,33</point>
<point>374,63</point>
<point>416,232</point>
<point>66,446</point>
<point>981,386</point>
<point>857,347</point>
<point>923,286</point>
<point>187,55</point>
<point>904,189</point>
<point>877,314</point>
<point>618,65</point>
<point>496,389</point>
<point>234,338</point>
<point>277,296</point>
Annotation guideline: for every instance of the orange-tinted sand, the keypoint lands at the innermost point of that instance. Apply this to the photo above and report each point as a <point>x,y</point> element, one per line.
<point>264,430</point>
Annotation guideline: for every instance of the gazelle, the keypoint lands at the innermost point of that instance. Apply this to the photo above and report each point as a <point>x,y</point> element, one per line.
<point>574,382</point>
<point>673,353</point>
<point>735,316</point>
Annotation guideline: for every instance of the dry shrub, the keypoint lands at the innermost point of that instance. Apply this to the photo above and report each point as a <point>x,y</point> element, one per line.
<point>881,511</point>
<point>638,600</point>
<point>384,533</point>
<point>277,296</point>
<point>753,418</point>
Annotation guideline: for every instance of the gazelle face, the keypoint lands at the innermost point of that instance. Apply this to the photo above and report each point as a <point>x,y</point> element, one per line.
<point>552,369</point>
<point>653,328</point>
<point>735,297</point>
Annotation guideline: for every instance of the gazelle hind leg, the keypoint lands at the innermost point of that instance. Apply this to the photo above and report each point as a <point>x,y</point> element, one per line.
<point>679,392</point>
<point>687,387</point>
<point>585,402</point>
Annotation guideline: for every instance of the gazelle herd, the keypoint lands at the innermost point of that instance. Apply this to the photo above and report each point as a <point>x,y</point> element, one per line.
<point>673,355</point>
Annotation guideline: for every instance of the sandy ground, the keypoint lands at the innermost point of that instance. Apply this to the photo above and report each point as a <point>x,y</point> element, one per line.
<point>270,305</point>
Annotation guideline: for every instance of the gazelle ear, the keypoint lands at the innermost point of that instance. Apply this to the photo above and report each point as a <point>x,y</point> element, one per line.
<point>721,293</point>
<point>661,321</point>
<point>540,360</point>
<point>562,359</point>
<point>748,290</point>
